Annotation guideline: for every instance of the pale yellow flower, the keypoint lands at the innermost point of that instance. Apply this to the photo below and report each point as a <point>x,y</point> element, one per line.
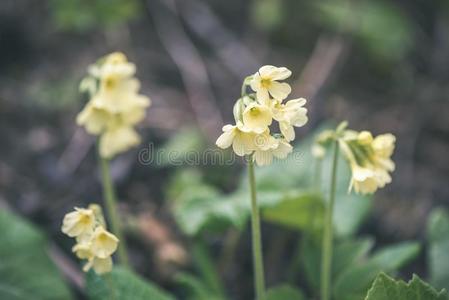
<point>118,140</point>
<point>290,114</point>
<point>115,64</point>
<point>369,158</point>
<point>94,118</point>
<point>257,117</point>
<point>78,222</point>
<point>241,139</point>
<point>94,243</point>
<point>363,180</point>
<point>116,107</point>
<point>118,95</point>
<point>265,83</point>
<point>83,250</point>
<point>272,147</point>
<point>104,243</point>
<point>268,147</point>
<point>100,265</point>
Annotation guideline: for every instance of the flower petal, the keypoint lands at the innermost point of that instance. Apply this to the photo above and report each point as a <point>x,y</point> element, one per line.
<point>279,91</point>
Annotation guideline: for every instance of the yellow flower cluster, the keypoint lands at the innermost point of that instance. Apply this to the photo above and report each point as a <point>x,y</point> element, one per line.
<point>94,242</point>
<point>115,106</point>
<point>369,158</point>
<point>254,113</point>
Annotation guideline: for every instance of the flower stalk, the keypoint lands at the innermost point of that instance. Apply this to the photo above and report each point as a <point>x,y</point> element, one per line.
<point>327,245</point>
<point>259,277</point>
<point>111,209</point>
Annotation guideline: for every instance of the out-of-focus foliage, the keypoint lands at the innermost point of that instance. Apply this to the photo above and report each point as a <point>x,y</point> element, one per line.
<point>297,210</point>
<point>386,288</point>
<point>354,281</point>
<point>267,14</point>
<point>438,240</point>
<point>122,284</point>
<point>283,292</point>
<point>354,268</point>
<point>26,271</point>
<point>182,148</point>
<point>195,288</point>
<point>378,25</point>
<point>284,189</point>
<point>82,15</point>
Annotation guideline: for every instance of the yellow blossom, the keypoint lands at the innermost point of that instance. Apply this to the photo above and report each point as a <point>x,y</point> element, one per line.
<point>118,140</point>
<point>369,159</point>
<point>83,250</point>
<point>241,139</point>
<point>116,107</point>
<point>100,265</point>
<point>279,148</point>
<point>104,243</point>
<point>290,114</point>
<point>265,83</point>
<point>257,117</point>
<point>79,222</point>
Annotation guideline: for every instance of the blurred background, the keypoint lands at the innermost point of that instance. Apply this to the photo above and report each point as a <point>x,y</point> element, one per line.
<point>381,65</point>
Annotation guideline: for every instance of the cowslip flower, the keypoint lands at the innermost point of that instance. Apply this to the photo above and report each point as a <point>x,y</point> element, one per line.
<point>93,242</point>
<point>292,113</point>
<point>369,159</point>
<point>265,83</point>
<point>104,243</point>
<point>78,222</point>
<point>115,106</point>
<point>254,114</point>
<point>241,139</point>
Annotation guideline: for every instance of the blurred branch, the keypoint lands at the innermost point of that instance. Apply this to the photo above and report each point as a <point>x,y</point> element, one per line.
<point>326,56</point>
<point>69,269</point>
<point>168,251</point>
<point>235,56</point>
<point>75,152</point>
<point>188,60</point>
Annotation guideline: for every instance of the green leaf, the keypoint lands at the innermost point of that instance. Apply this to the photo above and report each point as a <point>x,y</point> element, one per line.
<point>298,210</point>
<point>438,241</point>
<point>284,292</point>
<point>196,289</point>
<point>386,288</point>
<point>368,21</point>
<point>295,173</point>
<point>122,284</point>
<point>347,254</point>
<point>26,271</point>
<point>355,281</point>
<point>184,147</point>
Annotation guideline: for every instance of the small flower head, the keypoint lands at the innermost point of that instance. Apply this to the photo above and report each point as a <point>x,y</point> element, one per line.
<point>93,242</point>
<point>104,243</point>
<point>241,139</point>
<point>254,114</point>
<point>78,222</point>
<point>115,107</point>
<point>369,158</point>
<point>257,117</point>
<point>266,83</point>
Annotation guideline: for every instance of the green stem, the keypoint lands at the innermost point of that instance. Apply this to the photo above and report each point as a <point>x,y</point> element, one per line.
<point>107,278</point>
<point>111,209</point>
<point>259,278</point>
<point>317,175</point>
<point>326,256</point>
